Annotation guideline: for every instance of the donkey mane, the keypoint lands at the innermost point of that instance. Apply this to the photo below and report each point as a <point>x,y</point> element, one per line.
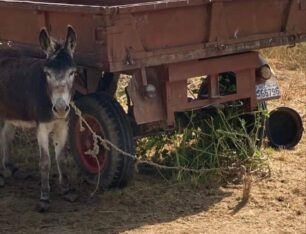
<point>60,58</point>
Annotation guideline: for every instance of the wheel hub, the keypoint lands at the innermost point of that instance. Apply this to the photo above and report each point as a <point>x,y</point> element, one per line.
<point>85,142</point>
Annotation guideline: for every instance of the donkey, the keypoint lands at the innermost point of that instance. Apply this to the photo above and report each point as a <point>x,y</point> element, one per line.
<point>37,93</point>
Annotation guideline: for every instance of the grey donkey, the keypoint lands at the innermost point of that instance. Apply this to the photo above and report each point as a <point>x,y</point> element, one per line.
<point>37,93</point>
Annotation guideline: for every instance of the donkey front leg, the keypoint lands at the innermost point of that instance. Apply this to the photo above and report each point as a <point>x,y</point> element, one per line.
<point>45,164</point>
<point>60,134</point>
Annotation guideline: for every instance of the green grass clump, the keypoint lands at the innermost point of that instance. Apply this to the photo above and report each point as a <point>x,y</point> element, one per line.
<point>222,140</point>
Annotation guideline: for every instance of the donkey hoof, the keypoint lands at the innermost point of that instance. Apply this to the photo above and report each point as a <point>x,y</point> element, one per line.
<point>43,206</point>
<point>70,195</point>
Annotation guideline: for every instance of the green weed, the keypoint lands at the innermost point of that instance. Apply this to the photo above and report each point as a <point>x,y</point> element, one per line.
<point>223,140</point>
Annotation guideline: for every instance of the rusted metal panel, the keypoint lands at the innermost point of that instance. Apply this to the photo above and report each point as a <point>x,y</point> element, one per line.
<point>91,50</point>
<point>207,30</point>
<point>176,99</point>
<point>171,83</point>
<point>213,86</point>
<point>145,109</point>
<point>217,26</point>
<point>243,66</point>
<point>127,35</point>
<point>181,71</point>
<point>295,13</point>
<point>303,5</point>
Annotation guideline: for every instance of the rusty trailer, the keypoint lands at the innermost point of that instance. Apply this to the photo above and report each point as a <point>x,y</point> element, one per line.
<point>160,44</point>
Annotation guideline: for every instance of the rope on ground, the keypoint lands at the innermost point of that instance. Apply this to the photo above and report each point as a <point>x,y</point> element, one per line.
<point>108,145</point>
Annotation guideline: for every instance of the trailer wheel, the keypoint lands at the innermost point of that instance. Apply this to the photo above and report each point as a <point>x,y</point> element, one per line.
<point>107,118</point>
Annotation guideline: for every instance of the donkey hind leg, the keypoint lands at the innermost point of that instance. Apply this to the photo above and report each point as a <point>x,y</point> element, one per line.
<point>7,135</point>
<point>43,132</point>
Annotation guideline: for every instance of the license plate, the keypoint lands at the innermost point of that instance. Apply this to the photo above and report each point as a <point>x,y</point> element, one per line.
<point>267,90</point>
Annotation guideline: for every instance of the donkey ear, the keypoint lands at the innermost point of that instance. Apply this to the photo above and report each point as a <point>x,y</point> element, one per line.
<point>71,38</point>
<point>44,40</point>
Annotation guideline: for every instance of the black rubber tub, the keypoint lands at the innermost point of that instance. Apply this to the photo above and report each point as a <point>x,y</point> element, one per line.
<point>284,128</point>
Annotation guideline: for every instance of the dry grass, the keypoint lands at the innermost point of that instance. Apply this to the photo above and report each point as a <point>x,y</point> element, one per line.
<point>291,58</point>
<point>290,67</point>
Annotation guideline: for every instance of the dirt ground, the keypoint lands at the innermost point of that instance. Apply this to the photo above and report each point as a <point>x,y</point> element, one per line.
<point>154,205</point>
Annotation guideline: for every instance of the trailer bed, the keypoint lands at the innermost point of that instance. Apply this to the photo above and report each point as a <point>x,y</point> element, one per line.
<point>125,35</point>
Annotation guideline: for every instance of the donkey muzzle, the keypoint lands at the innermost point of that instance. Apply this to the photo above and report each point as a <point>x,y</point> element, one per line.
<point>60,109</point>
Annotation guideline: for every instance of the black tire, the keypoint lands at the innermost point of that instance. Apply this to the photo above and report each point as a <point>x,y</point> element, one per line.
<point>106,113</point>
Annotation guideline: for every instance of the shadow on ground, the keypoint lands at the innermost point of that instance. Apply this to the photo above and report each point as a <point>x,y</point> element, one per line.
<point>146,201</point>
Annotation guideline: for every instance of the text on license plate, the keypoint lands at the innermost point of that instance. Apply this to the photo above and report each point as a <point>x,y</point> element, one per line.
<point>267,90</point>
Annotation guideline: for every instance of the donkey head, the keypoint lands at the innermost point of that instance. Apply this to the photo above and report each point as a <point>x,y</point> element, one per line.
<point>60,70</point>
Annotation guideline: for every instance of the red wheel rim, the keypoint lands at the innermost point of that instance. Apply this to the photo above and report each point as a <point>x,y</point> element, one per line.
<point>85,142</point>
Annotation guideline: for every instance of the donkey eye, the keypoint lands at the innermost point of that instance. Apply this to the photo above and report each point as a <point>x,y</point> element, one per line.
<point>48,75</point>
<point>73,73</point>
